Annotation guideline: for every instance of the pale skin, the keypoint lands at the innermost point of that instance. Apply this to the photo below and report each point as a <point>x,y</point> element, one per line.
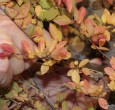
<point>11,34</point>
<point>10,66</point>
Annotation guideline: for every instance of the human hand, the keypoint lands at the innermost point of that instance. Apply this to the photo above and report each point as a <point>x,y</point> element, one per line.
<point>11,34</point>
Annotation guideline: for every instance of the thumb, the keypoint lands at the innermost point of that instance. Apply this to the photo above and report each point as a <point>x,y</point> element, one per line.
<point>5,72</point>
<point>5,69</point>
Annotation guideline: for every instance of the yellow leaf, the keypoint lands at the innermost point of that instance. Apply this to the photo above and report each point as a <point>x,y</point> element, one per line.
<point>76,108</point>
<point>4,1</point>
<point>83,63</point>
<point>105,16</point>
<point>72,65</point>
<point>86,71</point>
<point>44,69</point>
<point>55,32</point>
<point>34,21</point>
<point>111,85</point>
<point>11,12</point>
<point>113,30</point>
<point>69,73</point>
<point>38,10</point>
<point>76,62</point>
<point>23,11</point>
<point>49,62</point>
<point>97,92</point>
<point>10,4</point>
<point>20,2</point>
<point>75,76</point>
<point>111,19</point>
<point>107,34</point>
<point>103,48</point>
<point>52,45</point>
<point>19,22</point>
<point>31,55</point>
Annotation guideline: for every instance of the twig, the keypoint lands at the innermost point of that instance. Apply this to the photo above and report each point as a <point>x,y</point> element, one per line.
<point>46,97</point>
<point>57,88</point>
<point>95,70</point>
<point>15,103</point>
<point>42,91</point>
<point>12,106</point>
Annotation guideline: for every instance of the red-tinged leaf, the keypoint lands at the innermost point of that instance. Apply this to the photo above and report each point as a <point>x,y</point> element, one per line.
<point>89,23</point>
<point>59,52</point>
<point>103,103</point>
<point>63,20</point>
<point>6,50</point>
<point>81,14</point>
<point>102,36</point>
<point>71,84</point>
<point>69,4</point>
<point>76,11</point>
<point>41,44</point>
<point>86,84</point>
<point>47,37</point>
<point>109,71</point>
<point>61,44</point>
<point>96,61</point>
<point>110,1</point>
<point>86,71</point>
<point>95,39</point>
<point>102,42</point>
<point>59,2</point>
<point>99,29</point>
<point>112,62</point>
<point>25,46</point>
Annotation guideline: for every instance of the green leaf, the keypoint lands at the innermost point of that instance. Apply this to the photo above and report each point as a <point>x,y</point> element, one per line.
<point>65,106</point>
<point>44,4</point>
<point>30,31</point>
<point>60,97</point>
<point>14,91</point>
<point>91,108</point>
<point>16,87</point>
<point>63,20</point>
<point>11,94</point>
<point>51,13</point>
<point>2,103</point>
<point>43,15</point>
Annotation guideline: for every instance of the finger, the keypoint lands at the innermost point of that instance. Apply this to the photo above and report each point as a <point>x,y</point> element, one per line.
<point>16,62</point>
<point>20,36</point>
<point>5,72</point>
<point>9,27</point>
